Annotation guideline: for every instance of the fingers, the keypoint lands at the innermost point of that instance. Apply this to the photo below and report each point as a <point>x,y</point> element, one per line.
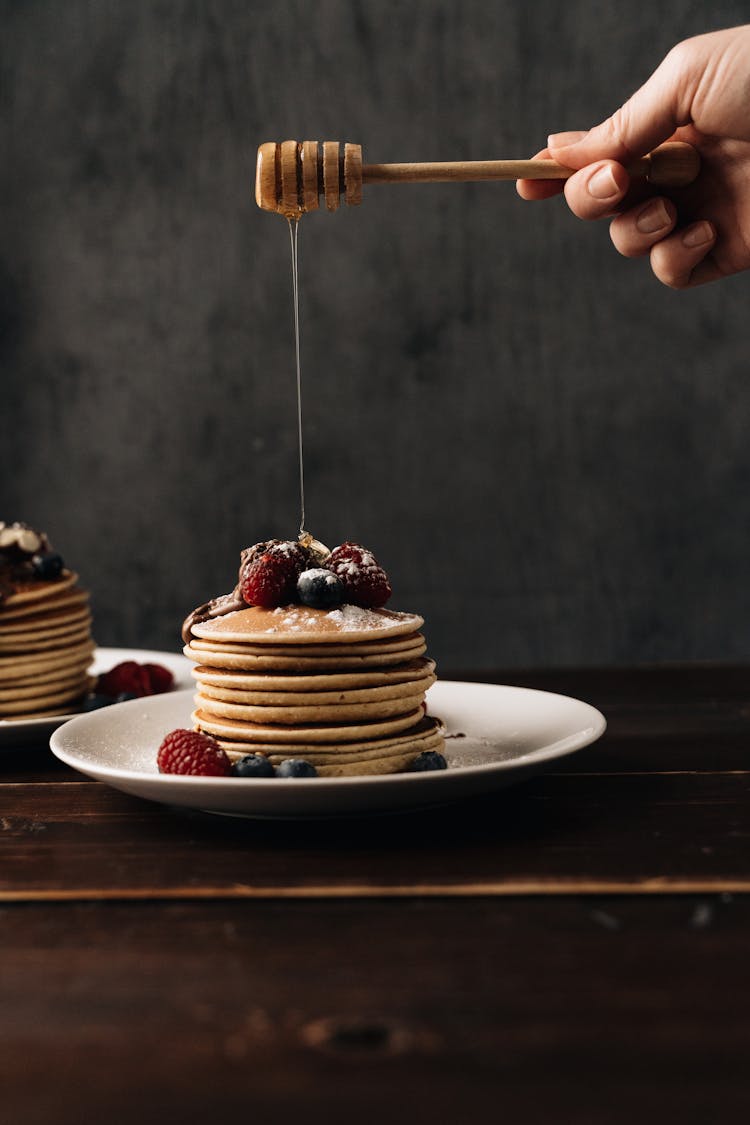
<point>592,193</point>
<point>597,190</point>
<point>539,189</point>
<point>682,260</point>
<point>679,258</point>
<point>635,231</point>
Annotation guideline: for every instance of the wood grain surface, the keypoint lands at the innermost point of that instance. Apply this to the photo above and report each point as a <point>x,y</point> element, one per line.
<point>533,1010</point>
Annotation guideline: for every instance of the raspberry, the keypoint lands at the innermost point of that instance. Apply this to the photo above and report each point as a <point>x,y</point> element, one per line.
<point>270,578</point>
<point>126,677</point>
<point>135,679</point>
<point>160,678</point>
<point>252,554</point>
<point>192,752</point>
<point>364,580</point>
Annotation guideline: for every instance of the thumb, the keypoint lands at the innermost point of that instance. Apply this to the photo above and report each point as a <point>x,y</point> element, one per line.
<point>649,117</point>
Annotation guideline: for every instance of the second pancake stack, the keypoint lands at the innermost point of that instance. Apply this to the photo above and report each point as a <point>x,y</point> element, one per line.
<point>45,628</point>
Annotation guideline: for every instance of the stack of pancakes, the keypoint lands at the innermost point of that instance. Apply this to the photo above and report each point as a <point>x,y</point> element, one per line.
<point>45,646</point>
<point>343,688</point>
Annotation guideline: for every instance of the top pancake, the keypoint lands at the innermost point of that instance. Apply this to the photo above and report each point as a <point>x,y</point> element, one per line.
<point>68,599</point>
<point>24,592</point>
<point>303,625</point>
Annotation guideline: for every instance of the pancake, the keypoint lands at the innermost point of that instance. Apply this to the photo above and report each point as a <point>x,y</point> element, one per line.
<point>361,648</point>
<point>71,600</point>
<point>390,760</point>
<point>27,592</point>
<point>375,756</point>
<point>316,698</point>
<point>325,681</point>
<point>428,727</point>
<point>51,623</point>
<point>303,625</point>
<point>302,663</point>
<point>290,715</point>
<point>43,640</point>
<point>52,686</point>
<point>14,669</point>
<point>46,702</point>
<point>295,735</point>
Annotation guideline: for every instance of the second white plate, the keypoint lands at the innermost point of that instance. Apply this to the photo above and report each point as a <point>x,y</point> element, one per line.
<point>15,733</point>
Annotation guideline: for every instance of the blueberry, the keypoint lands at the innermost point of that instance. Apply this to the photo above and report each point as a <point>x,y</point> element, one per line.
<point>427,761</point>
<point>320,588</point>
<point>296,767</point>
<point>124,696</point>
<point>94,702</point>
<point>47,566</point>
<point>253,765</point>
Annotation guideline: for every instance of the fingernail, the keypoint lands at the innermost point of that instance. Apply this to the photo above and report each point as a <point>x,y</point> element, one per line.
<point>602,185</point>
<point>562,140</point>
<point>698,235</point>
<point>653,217</point>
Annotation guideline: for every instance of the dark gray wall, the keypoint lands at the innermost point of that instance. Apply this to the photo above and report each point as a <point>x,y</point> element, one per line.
<point>547,449</point>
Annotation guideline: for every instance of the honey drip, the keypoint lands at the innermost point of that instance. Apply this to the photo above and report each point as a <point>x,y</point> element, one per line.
<point>293,239</point>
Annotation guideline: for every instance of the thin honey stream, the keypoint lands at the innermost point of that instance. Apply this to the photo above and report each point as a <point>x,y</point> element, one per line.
<point>294,243</point>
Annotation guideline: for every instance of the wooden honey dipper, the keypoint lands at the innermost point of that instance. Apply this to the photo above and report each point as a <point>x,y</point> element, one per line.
<point>290,176</point>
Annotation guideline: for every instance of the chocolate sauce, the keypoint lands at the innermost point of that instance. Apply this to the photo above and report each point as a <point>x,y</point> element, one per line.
<point>217,607</point>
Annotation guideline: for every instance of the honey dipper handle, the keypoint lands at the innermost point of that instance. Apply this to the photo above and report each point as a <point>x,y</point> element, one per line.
<point>673,164</point>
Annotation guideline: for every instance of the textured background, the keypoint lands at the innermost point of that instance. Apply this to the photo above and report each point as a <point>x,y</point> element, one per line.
<point>547,449</point>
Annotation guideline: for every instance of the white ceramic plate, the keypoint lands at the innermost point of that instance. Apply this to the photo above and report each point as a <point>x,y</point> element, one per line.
<point>21,732</point>
<point>496,736</point>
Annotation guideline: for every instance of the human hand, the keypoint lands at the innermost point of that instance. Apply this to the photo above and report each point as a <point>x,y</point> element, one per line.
<point>699,94</point>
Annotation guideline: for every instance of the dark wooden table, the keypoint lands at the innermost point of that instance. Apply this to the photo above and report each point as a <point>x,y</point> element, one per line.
<point>574,949</point>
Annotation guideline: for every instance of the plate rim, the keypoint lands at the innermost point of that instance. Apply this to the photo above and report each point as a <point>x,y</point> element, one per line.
<point>558,749</point>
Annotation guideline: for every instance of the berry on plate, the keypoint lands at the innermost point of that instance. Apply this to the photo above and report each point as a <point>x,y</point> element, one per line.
<point>296,767</point>
<point>134,679</point>
<point>192,752</point>
<point>364,581</point>
<point>95,701</point>
<point>427,761</point>
<point>160,678</point>
<point>253,765</point>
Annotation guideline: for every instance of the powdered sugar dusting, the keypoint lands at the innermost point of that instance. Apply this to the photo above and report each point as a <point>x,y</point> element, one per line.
<point>362,562</point>
<point>345,618</point>
<point>355,617</point>
<point>287,548</point>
